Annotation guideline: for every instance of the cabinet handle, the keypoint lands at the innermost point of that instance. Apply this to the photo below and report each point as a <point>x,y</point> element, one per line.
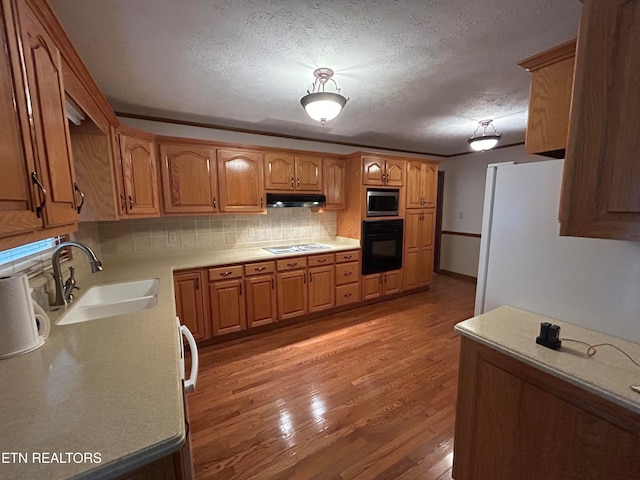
<point>347,274</point>
<point>75,188</point>
<point>310,277</point>
<point>197,283</point>
<point>272,284</point>
<point>322,260</point>
<point>298,182</point>
<point>130,202</point>
<point>347,295</point>
<point>214,202</point>
<point>36,181</point>
<point>123,205</point>
<point>291,182</point>
<point>225,274</point>
<point>304,278</point>
<point>347,257</point>
<point>292,264</point>
<point>240,288</point>
<point>261,202</point>
<point>259,269</point>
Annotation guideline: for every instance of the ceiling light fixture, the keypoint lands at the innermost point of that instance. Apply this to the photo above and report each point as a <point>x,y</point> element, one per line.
<point>483,142</point>
<point>320,105</point>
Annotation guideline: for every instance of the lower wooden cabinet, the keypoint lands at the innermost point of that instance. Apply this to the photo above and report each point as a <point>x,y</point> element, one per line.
<point>191,303</point>
<point>322,288</point>
<point>515,421</point>
<point>227,304</point>
<point>346,294</point>
<point>292,294</point>
<point>261,300</point>
<point>379,284</point>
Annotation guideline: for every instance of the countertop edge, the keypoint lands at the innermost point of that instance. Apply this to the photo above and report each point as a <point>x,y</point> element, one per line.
<point>605,394</point>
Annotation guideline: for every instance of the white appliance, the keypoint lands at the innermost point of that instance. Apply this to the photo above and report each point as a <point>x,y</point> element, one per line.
<point>525,263</point>
<point>24,325</point>
<point>189,383</point>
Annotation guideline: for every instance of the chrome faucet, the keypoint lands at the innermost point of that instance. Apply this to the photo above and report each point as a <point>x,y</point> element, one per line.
<point>64,289</point>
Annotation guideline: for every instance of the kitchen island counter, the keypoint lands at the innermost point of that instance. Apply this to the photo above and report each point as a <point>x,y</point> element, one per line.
<point>109,389</point>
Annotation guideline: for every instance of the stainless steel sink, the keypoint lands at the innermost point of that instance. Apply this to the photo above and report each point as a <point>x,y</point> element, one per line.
<point>307,247</point>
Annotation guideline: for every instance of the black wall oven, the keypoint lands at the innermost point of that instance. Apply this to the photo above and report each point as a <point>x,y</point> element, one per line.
<point>381,246</point>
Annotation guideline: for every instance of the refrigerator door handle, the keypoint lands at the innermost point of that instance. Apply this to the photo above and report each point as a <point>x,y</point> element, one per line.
<point>190,383</point>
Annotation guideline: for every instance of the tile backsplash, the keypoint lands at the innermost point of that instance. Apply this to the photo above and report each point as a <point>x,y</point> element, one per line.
<point>220,232</point>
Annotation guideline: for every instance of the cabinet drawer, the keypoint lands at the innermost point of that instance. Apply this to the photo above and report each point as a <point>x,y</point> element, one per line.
<point>350,256</point>
<point>347,273</point>
<point>346,294</point>
<point>316,260</point>
<point>225,273</point>
<point>259,267</point>
<point>291,263</point>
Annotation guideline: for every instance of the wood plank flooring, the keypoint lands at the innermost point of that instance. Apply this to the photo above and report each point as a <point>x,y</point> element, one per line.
<point>365,394</point>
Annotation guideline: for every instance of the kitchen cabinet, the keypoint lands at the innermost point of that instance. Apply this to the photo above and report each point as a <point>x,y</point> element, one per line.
<point>550,99</point>
<point>380,171</point>
<point>421,185</point>
<point>191,302</point>
<point>292,287</point>
<point>335,177</point>
<point>240,181</point>
<point>189,179</point>
<point>600,194</point>
<point>138,168</point>
<point>418,248</point>
<point>322,288</point>
<point>380,284</point>
<point>515,421</point>
<point>260,284</point>
<point>227,303</point>
<point>288,172</point>
<point>347,277</point>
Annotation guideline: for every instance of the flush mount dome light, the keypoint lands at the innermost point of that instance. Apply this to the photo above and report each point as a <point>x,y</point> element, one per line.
<point>320,105</point>
<point>484,141</point>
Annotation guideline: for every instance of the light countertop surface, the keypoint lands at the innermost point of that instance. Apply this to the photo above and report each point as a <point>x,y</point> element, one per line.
<point>608,374</point>
<point>110,386</point>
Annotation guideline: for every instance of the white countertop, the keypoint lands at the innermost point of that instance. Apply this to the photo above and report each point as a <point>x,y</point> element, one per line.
<point>607,374</point>
<point>109,386</point>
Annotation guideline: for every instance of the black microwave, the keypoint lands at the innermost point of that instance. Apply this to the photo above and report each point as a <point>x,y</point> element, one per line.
<point>383,202</point>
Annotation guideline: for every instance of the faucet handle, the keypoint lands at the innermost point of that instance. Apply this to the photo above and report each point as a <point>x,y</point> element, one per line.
<point>72,273</point>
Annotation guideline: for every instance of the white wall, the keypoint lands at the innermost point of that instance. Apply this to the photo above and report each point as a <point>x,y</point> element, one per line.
<point>464,182</point>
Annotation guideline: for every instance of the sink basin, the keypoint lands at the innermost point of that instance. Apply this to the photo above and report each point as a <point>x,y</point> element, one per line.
<point>307,247</point>
<point>102,301</point>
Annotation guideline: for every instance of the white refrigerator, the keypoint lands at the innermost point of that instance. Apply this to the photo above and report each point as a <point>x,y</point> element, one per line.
<point>525,263</point>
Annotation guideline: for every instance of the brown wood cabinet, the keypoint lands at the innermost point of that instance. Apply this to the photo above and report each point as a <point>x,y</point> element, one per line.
<point>227,306</point>
<point>600,188</point>
<point>292,293</point>
<point>289,172</point>
<point>139,171</point>
<point>380,171</point>
<point>335,177</point>
<point>189,179</point>
<point>515,421</point>
<point>421,185</point>
<point>550,99</point>
<point>418,248</point>
<point>380,284</point>
<point>241,181</point>
<point>322,288</point>
<point>191,302</point>
<point>261,300</point>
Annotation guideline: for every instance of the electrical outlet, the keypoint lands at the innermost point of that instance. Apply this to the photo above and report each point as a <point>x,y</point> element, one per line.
<point>460,215</point>
<point>173,237</point>
<point>252,232</point>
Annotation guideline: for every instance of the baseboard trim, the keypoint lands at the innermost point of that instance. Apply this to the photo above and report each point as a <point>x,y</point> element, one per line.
<point>461,276</point>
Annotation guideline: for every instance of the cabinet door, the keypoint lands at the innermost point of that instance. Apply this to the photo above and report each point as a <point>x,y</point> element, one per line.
<point>227,306</point>
<point>429,185</point>
<point>392,282</point>
<point>410,268</point>
<point>395,173</point>
<point>261,300</point>
<point>140,175</point>
<point>427,225</point>
<point>412,231</point>
<point>322,288</point>
<point>292,294</point>
<point>279,171</point>
<point>46,93</point>
<point>17,208</point>
<point>189,180</point>
<point>240,177</point>
<point>373,170</point>
<point>308,173</point>
<point>425,267</point>
<point>413,191</point>
<point>600,190</point>
<point>372,286</point>
<point>335,173</point>
<point>190,303</point>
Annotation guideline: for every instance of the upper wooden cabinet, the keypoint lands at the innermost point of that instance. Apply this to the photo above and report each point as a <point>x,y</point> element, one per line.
<point>288,172</point>
<point>601,182</point>
<point>240,178</point>
<point>421,185</point>
<point>382,171</point>
<point>139,173</point>
<point>335,176</point>
<point>550,99</point>
<point>189,180</point>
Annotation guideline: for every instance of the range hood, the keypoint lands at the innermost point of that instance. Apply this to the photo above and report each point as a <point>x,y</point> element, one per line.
<point>280,200</point>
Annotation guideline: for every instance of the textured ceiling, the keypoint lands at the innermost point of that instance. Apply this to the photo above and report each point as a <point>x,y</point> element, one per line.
<point>420,74</point>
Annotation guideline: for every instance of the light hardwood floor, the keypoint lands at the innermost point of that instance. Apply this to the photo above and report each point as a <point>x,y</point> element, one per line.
<point>365,394</point>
